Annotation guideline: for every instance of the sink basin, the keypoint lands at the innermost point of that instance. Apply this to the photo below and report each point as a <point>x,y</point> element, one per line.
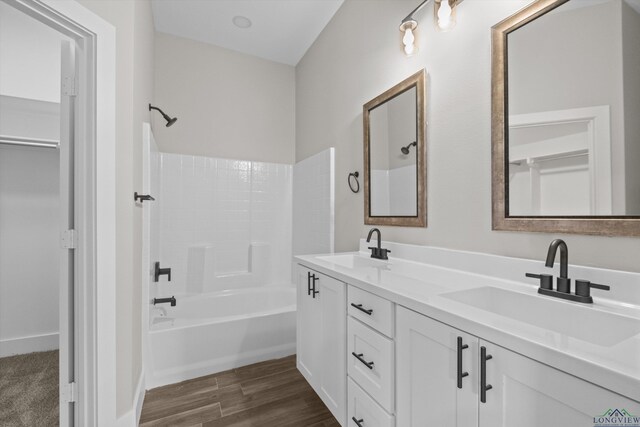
<point>582,323</point>
<point>354,261</point>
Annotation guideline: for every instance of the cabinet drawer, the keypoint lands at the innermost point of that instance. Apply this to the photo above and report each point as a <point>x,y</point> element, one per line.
<point>362,407</point>
<point>370,362</point>
<point>371,309</point>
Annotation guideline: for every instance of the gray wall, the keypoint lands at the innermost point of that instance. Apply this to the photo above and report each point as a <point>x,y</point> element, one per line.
<point>133,21</point>
<point>631,78</point>
<point>228,104</point>
<point>351,64</point>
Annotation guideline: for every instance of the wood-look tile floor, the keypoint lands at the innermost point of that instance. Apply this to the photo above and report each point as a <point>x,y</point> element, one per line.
<point>266,394</point>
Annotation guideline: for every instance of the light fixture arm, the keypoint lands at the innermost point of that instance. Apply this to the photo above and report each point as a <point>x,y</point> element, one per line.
<point>410,15</point>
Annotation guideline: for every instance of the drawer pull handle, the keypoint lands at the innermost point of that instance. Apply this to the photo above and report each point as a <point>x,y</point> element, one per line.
<point>364,310</point>
<point>358,421</point>
<point>359,357</point>
<point>484,387</point>
<point>461,374</point>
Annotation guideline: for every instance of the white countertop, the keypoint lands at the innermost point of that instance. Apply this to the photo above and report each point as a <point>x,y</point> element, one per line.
<point>420,287</point>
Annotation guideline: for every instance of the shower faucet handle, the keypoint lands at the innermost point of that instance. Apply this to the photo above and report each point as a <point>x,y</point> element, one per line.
<point>157,272</point>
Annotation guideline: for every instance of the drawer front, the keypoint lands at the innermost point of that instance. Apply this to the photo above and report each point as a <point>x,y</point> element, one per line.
<point>365,410</point>
<point>370,362</point>
<point>371,309</point>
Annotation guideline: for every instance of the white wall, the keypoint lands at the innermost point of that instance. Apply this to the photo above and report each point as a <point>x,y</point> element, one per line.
<point>229,105</point>
<point>29,191</point>
<point>29,57</point>
<point>224,224</point>
<point>351,64</point>
<point>313,204</point>
<point>29,249</point>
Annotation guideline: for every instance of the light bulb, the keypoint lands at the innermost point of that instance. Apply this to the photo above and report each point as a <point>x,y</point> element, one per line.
<point>444,15</point>
<point>408,40</point>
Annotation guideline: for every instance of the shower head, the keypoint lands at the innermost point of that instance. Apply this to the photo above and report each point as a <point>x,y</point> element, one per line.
<point>405,150</point>
<point>169,120</point>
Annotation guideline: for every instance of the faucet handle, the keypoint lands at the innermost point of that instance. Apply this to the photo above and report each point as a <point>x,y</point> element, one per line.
<point>546,280</point>
<point>583,287</point>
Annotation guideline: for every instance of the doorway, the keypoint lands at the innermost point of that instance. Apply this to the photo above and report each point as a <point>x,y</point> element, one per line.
<point>85,219</point>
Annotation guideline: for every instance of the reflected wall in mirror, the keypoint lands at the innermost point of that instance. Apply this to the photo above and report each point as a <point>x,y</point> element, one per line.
<point>394,151</point>
<point>566,102</point>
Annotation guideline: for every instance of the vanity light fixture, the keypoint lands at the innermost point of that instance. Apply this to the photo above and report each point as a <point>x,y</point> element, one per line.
<point>444,15</point>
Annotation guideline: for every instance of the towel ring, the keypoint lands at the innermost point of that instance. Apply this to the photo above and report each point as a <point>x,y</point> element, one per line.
<point>355,175</point>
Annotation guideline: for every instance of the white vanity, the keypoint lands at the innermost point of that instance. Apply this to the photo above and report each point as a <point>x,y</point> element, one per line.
<point>436,337</point>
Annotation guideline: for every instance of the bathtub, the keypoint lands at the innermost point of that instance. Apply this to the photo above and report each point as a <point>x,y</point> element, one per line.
<point>208,333</point>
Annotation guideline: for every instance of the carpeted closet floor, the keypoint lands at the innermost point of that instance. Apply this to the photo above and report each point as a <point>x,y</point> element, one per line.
<point>29,390</point>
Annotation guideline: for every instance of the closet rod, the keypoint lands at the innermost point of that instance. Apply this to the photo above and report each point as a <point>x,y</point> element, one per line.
<point>29,142</point>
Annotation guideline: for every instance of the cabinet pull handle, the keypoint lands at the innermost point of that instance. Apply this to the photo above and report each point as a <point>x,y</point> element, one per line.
<point>314,278</point>
<point>359,357</point>
<point>308,283</point>
<point>483,374</point>
<point>461,374</point>
<point>364,310</point>
<point>358,421</point>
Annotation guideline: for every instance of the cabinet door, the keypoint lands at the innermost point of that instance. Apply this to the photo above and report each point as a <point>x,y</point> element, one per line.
<point>427,373</point>
<point>308,332</point>
<point>331,300</point>
<point>526,393</point>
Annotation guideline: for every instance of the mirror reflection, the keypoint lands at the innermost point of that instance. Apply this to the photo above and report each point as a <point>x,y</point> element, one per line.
<point>573,136</point>
<point>393,156</point>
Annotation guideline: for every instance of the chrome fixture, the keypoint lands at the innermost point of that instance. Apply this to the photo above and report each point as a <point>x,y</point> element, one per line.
<point>444,13</point>
<point>355,176</point>
<point>377,252</point>
<point>142,197</point>
<point>563,287</point>
<point>405,150</point>
<point>171,300</point>
<point>169,120</point>
<point>29,142</point>
<point>563,283</point>
<point>157,272</point>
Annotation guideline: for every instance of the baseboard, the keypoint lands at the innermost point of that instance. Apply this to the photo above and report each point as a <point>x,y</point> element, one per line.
<point>139,397</point>
<point>31,344</point>
<point>172,376</point>
<point>132,417</point>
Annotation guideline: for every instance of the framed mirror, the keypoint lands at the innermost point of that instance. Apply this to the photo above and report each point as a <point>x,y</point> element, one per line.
<point>565,127</point>
<point>395,155</point>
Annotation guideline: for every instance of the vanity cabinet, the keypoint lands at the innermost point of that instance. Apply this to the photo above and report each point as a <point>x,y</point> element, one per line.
<point>321,337</point>
<point>432,388</point>
<point>428,389</point>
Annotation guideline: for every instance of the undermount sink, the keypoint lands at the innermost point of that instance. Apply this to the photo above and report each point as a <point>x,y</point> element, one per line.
<point>353,261</point>
<point>582,323</point>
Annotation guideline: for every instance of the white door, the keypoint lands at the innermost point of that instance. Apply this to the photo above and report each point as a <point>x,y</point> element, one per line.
<point>67,294</point>
<point>526,393</point>
<point>308,328</point>
<point>333,339</point>
<point>428,373</point>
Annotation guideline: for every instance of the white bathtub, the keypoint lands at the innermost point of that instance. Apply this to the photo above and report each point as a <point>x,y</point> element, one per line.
<point>208,333</point>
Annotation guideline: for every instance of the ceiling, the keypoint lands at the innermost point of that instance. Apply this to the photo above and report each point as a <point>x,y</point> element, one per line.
<point>281,30</point>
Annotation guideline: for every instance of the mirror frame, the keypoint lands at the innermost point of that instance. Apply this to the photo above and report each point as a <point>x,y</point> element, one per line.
<point>417,80</point>
<point>603,225</point>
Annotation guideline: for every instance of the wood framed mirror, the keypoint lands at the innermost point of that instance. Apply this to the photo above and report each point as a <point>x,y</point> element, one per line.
<point>565,141</point>
<point>395,190</point>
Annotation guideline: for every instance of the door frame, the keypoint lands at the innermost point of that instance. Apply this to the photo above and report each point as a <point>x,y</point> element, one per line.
<point>95,195</point>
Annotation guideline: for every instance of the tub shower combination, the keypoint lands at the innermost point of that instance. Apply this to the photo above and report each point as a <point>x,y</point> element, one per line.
<point>224,229</point>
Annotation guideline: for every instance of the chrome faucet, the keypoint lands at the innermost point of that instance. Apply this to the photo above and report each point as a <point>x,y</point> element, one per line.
<point>563,283</point>
<point>377,252</point>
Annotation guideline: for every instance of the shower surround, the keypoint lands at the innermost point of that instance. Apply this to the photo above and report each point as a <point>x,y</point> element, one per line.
<point>224,229</point>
